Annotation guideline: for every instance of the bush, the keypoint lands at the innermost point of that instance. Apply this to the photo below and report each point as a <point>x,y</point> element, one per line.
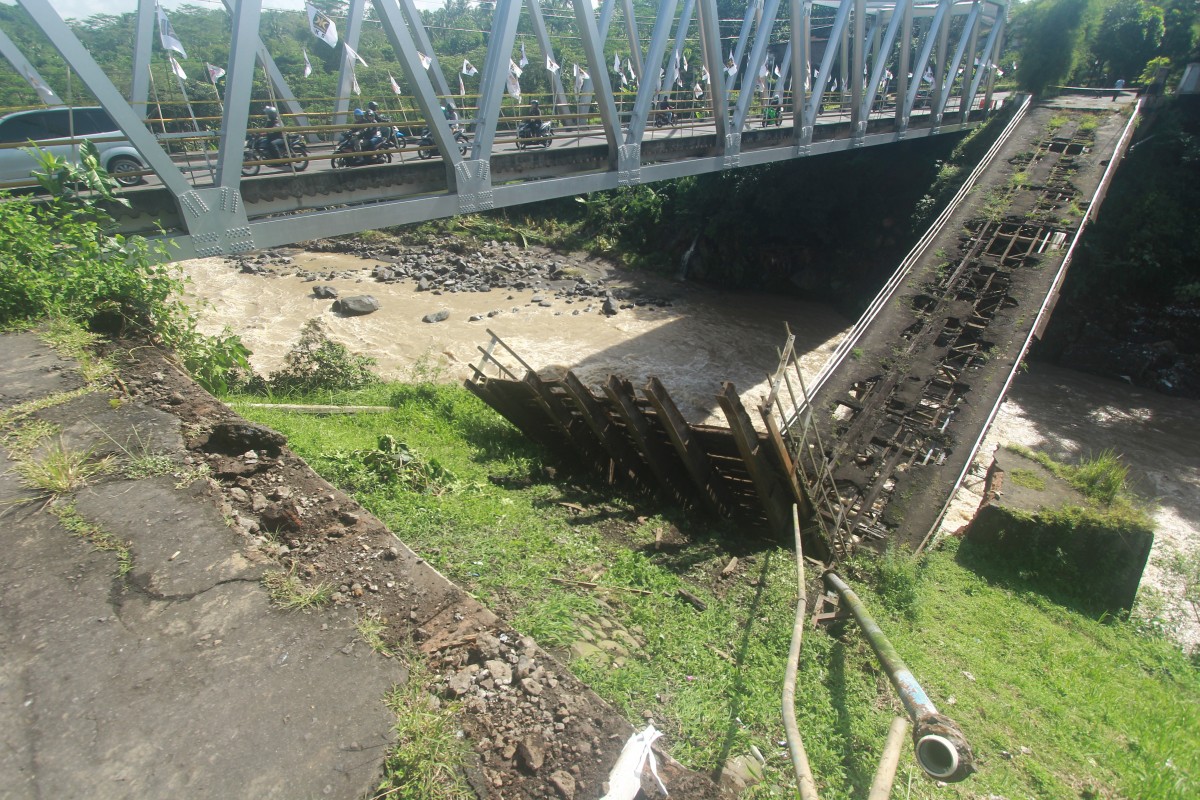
<point>60,258</point>
<point>318,363</point>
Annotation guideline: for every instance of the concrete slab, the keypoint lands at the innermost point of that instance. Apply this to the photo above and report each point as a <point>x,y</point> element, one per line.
<point>179,679</point>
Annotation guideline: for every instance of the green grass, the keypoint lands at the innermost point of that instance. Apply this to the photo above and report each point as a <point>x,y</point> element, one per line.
<point>73,521</point>
<point>1066,687</point>
<point>289,593</point>
<point>1101,478</point>
<point>423,762</point>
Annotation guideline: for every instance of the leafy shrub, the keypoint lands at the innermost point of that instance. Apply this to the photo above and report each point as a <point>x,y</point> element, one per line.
<point>319,363</point>
<point>391,463</point>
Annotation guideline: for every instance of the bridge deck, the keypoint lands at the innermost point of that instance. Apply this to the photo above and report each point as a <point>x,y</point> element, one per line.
<point>901,413</point>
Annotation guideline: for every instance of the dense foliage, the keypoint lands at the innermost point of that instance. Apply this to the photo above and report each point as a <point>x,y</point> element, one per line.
<point>1097,42</point>
<point>60,258</point>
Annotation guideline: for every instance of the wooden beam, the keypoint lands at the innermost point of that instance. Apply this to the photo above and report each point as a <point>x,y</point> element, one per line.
<point>620,394</point>
<point>695,461</point>
<point>774,500</point>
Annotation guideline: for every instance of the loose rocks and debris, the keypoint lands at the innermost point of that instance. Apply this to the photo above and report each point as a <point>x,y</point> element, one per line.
<point>447,266</point>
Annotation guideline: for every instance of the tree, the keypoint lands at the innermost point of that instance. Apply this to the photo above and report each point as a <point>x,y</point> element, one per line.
<point>1130,34</point>
<point>1050,34</point>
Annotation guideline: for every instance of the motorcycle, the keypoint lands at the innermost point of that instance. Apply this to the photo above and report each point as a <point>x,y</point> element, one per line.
<point>772,115</point>
<point>427,148</point>
<point>257,149</point>
<point>533,132</point>
<point>664,118</point>
<point>357,149</point>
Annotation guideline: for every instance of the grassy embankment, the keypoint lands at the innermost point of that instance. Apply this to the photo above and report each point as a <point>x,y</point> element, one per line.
<point>1055,704</point>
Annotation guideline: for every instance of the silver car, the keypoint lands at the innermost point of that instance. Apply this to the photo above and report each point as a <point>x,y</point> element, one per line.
<point>60,131</point>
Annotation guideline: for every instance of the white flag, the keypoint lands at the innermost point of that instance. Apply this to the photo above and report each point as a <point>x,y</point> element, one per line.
<point>178,70</point>
<point>762,71</point>
<point>396,86</point>
<point>730,65</point>
<point>514,87</point>
<point>580,77</point>
<point>632,74</point>
<point>928,76</point>
<point>321,26</point>
<point>524,58</point>
<point>307,64</point>
<point>468,69</point>
<point>698,91</point>
<point>215,73</point>
<point>685,69</point>
<point>354,56</point>
<point>166,34</point>
<point>676,79</point>
<point>425,60</point>
<point>462,90</point>
<point>616,63</point>
<point>551,64</point>
<point>354,83</point>
<point>624,82</point>
<point>513,68</point>
<point>776,71</point>
<point>704,76</point>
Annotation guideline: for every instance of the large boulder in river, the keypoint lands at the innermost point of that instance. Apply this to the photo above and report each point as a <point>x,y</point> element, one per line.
<point>357,305</point>
<point>324,292</point>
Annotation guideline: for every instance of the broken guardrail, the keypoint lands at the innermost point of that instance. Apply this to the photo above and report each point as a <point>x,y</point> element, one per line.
<point>941,749</point>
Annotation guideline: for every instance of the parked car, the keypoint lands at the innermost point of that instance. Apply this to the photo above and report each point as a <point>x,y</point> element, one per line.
<point>60,131</point>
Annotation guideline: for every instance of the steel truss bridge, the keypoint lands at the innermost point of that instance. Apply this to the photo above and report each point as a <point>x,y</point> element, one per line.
<point>927,68</point>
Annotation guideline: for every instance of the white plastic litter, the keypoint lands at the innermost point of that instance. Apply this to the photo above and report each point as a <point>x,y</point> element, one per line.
<point>625,779</point>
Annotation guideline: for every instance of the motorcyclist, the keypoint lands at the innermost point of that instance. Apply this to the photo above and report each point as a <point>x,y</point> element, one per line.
<point>772,113</point>
<point>377,135</point>
<point>665,110</point>
<point>532,126</point>
<point>272,140</point>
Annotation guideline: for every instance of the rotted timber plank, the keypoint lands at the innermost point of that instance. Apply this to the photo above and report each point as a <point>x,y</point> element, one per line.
<point>620,394</point>
<point>597,417</point>
<point>771,495</point>
<point>572,428</point>
<point>694,459</point>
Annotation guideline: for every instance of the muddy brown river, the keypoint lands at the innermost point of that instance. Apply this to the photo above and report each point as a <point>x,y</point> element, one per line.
<point>705,337</point>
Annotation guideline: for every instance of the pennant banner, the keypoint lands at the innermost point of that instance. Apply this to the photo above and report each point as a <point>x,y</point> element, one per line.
<point>307,64</point>
<point>514,69</point>
<point>178,70</point>
<point>551,64</point>
<point>616,63</point>
<point>524,59</point>
<point>396,86</point>
<point>468,69</point>
<point>39,86</point>
<point>215,73</point>
<point>462,90</point>
<point>321,26</point>
<point>354,83</point>
<point>426,61</point>
<point>514,87</point>
<point>166,34</point>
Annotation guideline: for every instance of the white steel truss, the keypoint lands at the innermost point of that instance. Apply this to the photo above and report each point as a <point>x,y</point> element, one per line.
<point>921,65</point>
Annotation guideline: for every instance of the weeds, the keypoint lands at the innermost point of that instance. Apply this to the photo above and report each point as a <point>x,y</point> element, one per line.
<point>370,630</point>
<point>426,761</point>
<point>289,593</point>
<point>317,363</point>
<point>60,470</point>
<point>73,521</point>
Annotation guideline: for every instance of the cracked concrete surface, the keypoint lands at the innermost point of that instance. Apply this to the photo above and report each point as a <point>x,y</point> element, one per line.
<point>179,678</point>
